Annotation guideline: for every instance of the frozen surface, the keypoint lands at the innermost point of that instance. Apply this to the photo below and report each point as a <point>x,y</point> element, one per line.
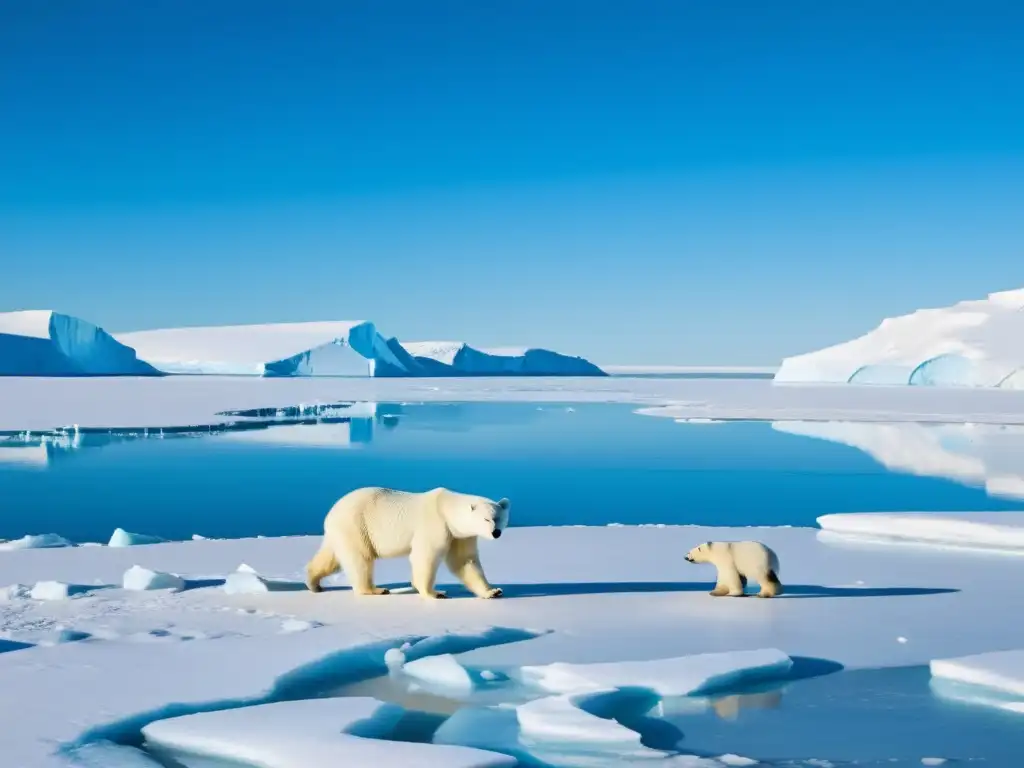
<point>680,676</point>
<point>984,455</point>
<point>46,343</point>
<point>140,579</point>
<point>559,718</point>
<point>1000,531</point>
<point>456,358</point>
<point>970,344</point>
<point>47,403</point>
<point>316,732</point>
<point>122,538</point>
<point>337,348</point>
<point>566,588</point>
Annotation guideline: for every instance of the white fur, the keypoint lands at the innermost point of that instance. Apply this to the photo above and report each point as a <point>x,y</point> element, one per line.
<point>372,523</point>
<point>737,561</point>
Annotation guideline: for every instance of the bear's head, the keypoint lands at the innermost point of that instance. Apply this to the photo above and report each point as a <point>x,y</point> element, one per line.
<point>699,554</point>
<point>483,517</point>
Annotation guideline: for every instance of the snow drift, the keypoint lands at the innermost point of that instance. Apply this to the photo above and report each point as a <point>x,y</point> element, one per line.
<point>334,348</point>
<point>456,358</point>
<point>41,342</point>
<point>970,344</point>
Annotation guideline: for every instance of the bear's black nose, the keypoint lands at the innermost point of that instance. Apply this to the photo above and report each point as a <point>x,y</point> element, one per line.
<point>497,533</point>
<point>688,559</point>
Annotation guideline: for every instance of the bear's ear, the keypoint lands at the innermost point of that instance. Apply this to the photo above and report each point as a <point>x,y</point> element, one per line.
<point>504,503</point>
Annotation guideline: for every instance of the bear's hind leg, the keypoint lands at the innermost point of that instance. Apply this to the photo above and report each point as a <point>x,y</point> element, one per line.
<point>359,567</point>
<point>770,585</point>
<point>323,564</point>
<point>463,560</point>
<point>729,582</point>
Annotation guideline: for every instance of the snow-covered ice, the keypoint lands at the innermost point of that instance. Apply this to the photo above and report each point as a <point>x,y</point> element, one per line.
<point>560,718</point>
<point>334,348</point>
<point>970,344</point>
<point>566,588</point>
<point>45,343</point>
<point>141,579</point>
<point>998,531</point>
<point>680,676</point>
<point>315,732</point>
<point>456,358</point>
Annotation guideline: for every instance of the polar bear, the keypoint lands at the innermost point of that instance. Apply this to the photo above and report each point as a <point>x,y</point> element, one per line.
<point>737,561</point>
<point>372,523</point>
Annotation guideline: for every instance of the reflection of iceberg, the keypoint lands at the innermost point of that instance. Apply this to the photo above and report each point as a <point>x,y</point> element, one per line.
<point>343,434</point>
<point>986,455</point>
<point>25,454</point>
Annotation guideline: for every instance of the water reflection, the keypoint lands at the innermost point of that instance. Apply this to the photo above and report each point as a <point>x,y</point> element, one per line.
<point>989,456</point>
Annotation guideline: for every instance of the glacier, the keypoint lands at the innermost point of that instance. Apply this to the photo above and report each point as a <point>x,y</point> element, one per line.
<point>970,344</point>
<point>457,358</point>
<point>42,342</point>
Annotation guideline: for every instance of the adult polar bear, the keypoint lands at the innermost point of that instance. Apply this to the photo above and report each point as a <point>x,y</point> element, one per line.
<point>372,523</point>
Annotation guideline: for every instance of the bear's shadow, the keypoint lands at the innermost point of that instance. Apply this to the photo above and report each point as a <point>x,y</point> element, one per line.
<point>562,589</point>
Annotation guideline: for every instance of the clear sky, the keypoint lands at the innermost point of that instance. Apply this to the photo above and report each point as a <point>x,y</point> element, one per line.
<point>665,181</point>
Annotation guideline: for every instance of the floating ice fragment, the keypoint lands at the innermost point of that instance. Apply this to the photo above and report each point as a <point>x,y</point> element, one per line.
<point>442,670</point>
<point>394,658</point>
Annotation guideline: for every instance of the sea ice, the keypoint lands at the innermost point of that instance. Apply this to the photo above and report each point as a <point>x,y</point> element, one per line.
<point>123,538</point>
<point>970,344</point>
<point>681,676</point>
<point>1002,671</point>
<point>312,732</point>
<point>140,579</point>
<point>1002,531</point>
<point>38,541</point>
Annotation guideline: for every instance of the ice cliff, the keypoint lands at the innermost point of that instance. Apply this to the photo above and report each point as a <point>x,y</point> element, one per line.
<point>970,344</point>
<point>45,343</point>
<point>456,358</point>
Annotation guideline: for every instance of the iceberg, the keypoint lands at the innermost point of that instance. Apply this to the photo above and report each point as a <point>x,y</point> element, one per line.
<point>456,358</point>
<point>333,348</point>
<point>970,344</point>
<point>41,342</point>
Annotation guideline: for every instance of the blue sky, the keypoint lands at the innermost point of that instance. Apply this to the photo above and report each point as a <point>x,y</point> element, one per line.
<point>658,182</point>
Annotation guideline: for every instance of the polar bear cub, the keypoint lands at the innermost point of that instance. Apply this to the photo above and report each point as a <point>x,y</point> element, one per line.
<point>737,561</point>
<point>372,523</point>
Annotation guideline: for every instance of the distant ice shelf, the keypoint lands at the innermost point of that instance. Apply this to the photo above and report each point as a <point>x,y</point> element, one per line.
<point>46,343</point>
<point>970,344</point>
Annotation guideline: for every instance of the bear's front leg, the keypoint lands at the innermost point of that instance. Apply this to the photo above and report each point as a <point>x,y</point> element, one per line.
<point>729,582</point>
<point>463,560</point>
<point>425,560</point>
